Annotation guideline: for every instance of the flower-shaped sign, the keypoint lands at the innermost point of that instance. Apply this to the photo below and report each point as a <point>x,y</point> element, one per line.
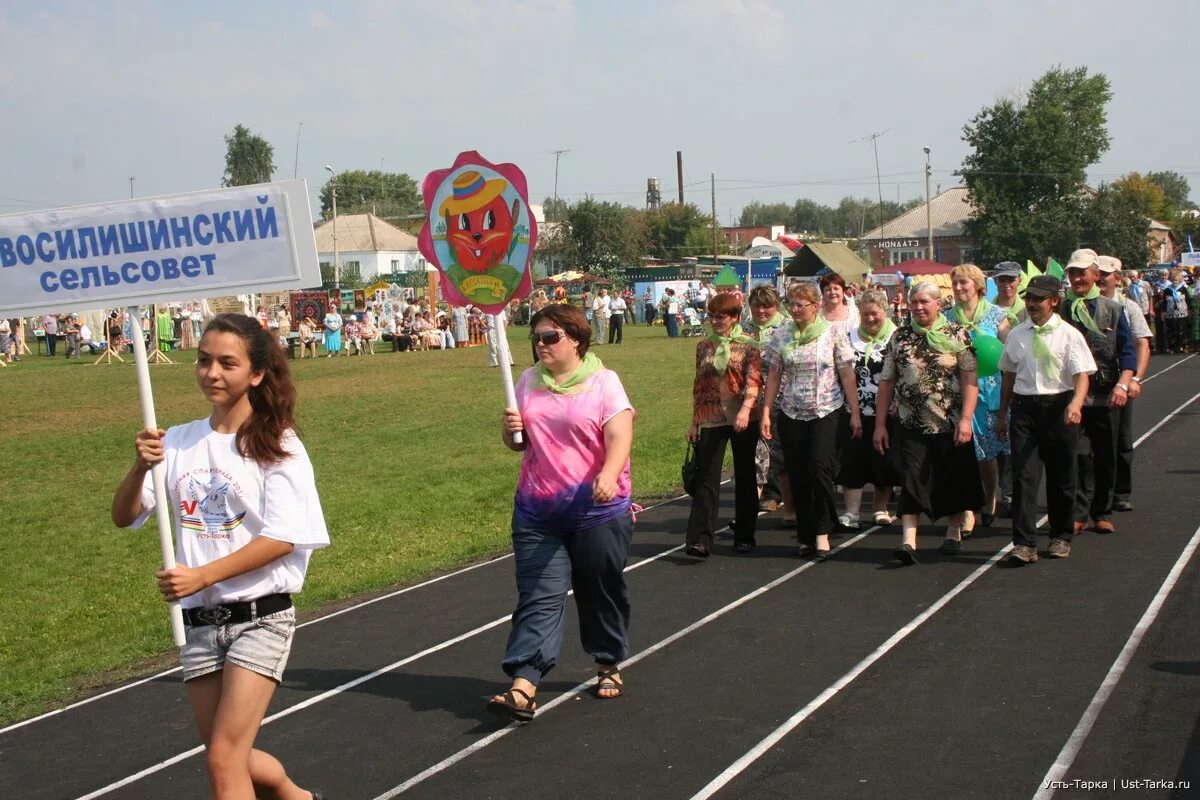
<point>479,231</point>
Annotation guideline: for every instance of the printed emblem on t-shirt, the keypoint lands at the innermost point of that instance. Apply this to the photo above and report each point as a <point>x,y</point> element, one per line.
<point>205,508</point>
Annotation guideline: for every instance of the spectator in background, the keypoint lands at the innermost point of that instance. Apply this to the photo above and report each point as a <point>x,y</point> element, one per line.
<point>368,333</point>
<point>50,326</point>
<point>308,336</point>
<point>445,336</point>
<point>601,313</point>
<point>72,335</point>
<point>616,320</point>
<point>458,320</point>
<point>1175,312</point>
<point>352,331</point>
<point>671,312</point>
<point>333,333</point>
<point>6,340</point>
<point>649,310</point>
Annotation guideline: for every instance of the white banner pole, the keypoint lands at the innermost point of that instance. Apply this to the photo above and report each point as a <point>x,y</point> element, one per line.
<point>158,472</point>
<point>504,359</point>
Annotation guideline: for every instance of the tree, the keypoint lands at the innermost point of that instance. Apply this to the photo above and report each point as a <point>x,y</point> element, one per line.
<point>1175,187</point>
<point>669,228</point>
<point>1114,223</point>
<point>385,194</point>
<point>248,158</point>
<point>1027,166</point>
<point>1148,195</point>
<point>755,213</point>
<point>554,210</point>
<point>602,237</point>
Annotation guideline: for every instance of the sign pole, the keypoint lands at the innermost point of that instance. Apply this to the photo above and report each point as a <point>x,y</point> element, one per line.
<point>504,359</point>
<point>158,472</point>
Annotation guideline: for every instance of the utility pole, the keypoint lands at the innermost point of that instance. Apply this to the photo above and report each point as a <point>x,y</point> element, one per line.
<point>713,179</point>
<point>130,187</point>
<point>928,213</point>
<point>557,155</point>
<point>337,269</point>
<point>679,169</point>
<point>874,137</point>
<point>296,162</point>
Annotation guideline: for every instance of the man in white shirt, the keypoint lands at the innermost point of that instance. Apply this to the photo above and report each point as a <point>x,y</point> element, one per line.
<point>601,311</point>
<point>1045,366</point>
<point>1110,277</point>
<point>616,321</point>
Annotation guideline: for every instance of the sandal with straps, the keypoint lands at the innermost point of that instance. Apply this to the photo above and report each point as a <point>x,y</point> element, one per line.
<point>508,706</point>
<point>606,682</point>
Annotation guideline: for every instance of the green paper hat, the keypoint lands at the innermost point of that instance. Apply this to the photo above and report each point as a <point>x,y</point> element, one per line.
<point>727,277</point>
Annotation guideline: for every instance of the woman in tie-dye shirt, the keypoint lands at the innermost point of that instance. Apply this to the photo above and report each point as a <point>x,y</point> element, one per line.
<point>572,523</point>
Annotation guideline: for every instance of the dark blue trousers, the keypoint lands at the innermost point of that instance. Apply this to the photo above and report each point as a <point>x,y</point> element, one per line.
<point>548,564</point>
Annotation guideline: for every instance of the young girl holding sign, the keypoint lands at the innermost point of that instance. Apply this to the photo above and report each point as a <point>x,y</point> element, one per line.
<point>247,518</point>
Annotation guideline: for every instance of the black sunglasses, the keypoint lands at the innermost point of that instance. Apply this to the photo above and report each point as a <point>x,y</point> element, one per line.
<point>547,337</point>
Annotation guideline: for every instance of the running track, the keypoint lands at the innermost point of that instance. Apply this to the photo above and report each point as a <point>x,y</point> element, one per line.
<point>751,677</point>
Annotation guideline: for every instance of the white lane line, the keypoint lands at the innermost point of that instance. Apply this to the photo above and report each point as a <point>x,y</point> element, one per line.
<point>1168,369</point>
<point>345,687</point>
<point>1165,420</point>
<point>544,709</point>
<point>1075,743</point>
<point>734,769</point>
<point>353,607</point>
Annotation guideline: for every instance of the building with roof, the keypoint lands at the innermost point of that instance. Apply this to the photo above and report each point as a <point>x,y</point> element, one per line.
<point>369,245</point>
<point>906,237</point>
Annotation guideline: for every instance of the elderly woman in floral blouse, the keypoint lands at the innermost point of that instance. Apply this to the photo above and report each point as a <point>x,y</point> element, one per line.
<point>812,367</point>
<point>930,369</point>
<point>724,409</point>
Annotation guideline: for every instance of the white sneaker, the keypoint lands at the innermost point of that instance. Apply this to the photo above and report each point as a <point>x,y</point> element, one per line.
<point>848,522</point>
<point>883,518</point>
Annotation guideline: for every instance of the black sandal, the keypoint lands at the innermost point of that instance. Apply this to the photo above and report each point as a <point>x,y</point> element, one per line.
<point>508,707</point>
<point>606,681</point>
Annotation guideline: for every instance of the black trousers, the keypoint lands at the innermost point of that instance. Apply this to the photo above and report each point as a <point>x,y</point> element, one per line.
<point>616,328</point>
<point>812,458</point>
<point>1124,486</point>
<point>1042,441</point>
<point>710,454</point>
<point>1097,470</point>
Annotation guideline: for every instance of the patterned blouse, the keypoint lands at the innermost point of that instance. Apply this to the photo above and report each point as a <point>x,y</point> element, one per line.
<point>866,371</point>
<point>717,398</point>
<point>809,387</point>
<point>927,387</point>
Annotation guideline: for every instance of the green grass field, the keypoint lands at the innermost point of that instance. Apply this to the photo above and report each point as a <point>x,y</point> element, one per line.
<point>409,464</point>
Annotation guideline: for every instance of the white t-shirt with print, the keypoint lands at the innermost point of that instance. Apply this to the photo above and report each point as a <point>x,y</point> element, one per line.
<point>221,501</point>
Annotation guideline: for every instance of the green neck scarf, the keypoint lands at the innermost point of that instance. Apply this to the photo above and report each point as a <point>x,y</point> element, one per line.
<point>1047,362</point>
<point>972,324</point>
<point>767,328</point>
<point>938,341</point>
<point>802,337</point>
<point>1079,309</point>
<point>884,332</point>
<point>721,356</point>
<point>1014,311</point>
<point>574,382</point>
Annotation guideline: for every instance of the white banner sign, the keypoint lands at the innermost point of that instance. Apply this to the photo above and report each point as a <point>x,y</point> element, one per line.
<point>1190,259</point>
<point>137,252</point>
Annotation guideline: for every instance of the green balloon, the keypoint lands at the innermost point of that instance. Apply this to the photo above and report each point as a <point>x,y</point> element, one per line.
<point>987,353</point>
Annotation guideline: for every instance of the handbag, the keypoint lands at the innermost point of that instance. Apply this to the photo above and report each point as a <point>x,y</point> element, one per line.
<point>691,470</point>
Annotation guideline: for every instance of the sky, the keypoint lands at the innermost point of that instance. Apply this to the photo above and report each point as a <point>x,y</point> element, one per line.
<point>772,97</point>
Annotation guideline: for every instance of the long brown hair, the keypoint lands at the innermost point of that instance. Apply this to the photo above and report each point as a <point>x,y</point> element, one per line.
<point>273,401</point>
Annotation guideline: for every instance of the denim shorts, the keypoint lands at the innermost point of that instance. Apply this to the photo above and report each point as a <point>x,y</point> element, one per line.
<point>261,645</point>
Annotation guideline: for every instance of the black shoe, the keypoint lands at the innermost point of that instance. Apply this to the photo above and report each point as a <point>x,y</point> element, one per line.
<point>1122,505</point>
<point>1004,510</point>
<point>317,794</point>
<point>697,550</point>
<point>743,547</point>
<point>905,554</point>
<point>811,552</point>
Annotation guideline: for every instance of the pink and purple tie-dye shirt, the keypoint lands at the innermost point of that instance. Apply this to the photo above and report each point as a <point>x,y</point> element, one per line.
<point>566,452</point>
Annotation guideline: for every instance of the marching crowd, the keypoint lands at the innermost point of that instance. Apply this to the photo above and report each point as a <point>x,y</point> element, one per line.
<point>965,407</point>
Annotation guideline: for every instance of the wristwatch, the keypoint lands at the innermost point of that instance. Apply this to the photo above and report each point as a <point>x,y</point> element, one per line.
<point>1137,380</point>
<point>1123,388</point>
